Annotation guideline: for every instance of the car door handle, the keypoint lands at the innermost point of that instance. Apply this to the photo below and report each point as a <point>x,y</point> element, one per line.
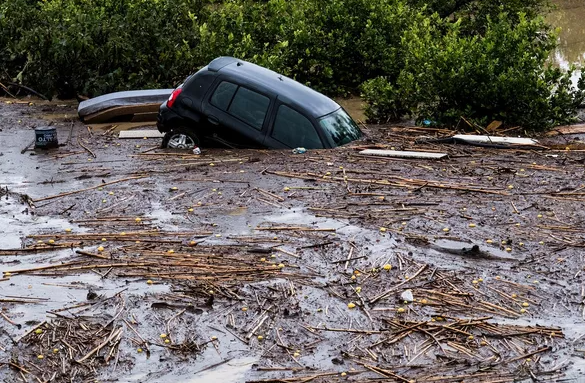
<point>213,120</point>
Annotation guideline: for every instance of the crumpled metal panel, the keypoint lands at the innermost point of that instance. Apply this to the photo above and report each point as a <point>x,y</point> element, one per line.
<point>132,97</point>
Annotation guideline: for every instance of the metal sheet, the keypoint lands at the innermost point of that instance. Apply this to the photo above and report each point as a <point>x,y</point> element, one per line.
<point>112,100</point>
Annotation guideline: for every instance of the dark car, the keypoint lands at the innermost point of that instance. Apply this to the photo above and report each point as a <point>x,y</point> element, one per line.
<point>239,104</point>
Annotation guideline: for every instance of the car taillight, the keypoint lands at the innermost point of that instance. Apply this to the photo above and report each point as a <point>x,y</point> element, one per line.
<point>173,97</point>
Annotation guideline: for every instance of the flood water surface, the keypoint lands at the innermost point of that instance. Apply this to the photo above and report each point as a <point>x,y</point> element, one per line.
<point>568,18</point>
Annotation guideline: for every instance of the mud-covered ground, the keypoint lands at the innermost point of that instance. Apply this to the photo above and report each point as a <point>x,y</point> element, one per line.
<point>143,265</point>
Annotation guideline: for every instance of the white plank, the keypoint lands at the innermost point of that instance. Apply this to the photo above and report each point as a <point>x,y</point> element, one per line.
<point>140,134</point>
<point>403,154</point>
<point>495,140</point>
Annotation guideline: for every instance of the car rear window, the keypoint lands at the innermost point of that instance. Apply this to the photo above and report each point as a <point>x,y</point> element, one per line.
<point>250,107</point>
<point>295,130</point>
<point>341,127</point>
<point>223,95</point>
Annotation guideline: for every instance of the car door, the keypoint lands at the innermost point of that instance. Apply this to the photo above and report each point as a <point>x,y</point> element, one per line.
<point>290,128</point>
<point>237,113</point>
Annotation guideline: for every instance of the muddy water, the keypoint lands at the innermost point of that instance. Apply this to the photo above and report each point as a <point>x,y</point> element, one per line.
<point>568,17</point>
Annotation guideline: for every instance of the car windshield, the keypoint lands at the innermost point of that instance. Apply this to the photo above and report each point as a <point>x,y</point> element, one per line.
<point>341,127</point>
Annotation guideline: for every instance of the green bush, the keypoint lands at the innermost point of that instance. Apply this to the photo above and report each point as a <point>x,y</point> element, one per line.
<point>332,45</point>
<point>98,46</point>
<point>501,75</point>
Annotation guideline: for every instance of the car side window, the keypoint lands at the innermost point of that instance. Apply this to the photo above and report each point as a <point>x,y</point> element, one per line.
<point>223,95</point>
<point>250,107</point>
<point>295,130</point>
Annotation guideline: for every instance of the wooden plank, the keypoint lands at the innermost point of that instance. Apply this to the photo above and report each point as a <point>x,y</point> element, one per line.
<point>567,129</point>
<point>403,154</point>
<point>140,134</point>
<point>495,140</point>
<point>119,112</point>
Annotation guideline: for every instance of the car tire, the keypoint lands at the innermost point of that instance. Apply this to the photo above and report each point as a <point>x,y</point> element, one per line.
<point>181,138</point>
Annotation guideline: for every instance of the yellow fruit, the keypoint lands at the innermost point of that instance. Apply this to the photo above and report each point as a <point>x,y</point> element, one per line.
<point>212,164</point>
<point>383,230</point>
<point>522,311</point>
<point>480,279</point>
<point>55,350</point>
<point>353,277</point>
<point>149,282</point>
<point>211,292</point>
<point>139,350</point>
<point>260,337</point>
<point>508,249</point>
<point>244,309</point>
<point>351,305</point>
<point>446,230</point>
<point>344,374</point>
<point>358,289</point>
<point>163,336</point>
<point>423,301</point>
<point>281,266</point>
<point>39,331</point>
<point>138,219</point>
<point>387,267</point>
<point>472,225</point>
<point>475,282</point>
<point>510,187</point>
<point>514,295</point>
<point>218,235</point>
<point>525,304</point>
<point>192,243</point>
<point>286,189</point>
<point>400,310</point>
<point>51,241</point>
<point>174,188</point>
<point>40,356</point>
<point>7,274</point>
<point>541,243</point>
<point>262,259</point>
<point>167,341</point>
<point>539,216</point>
<point>123,233</point>
<point>171,251</point>
<point>470,337</point>
<point>111,193</point>
<point>190,210</point>
<point>100,249</point>
<point>521,244</point>
<point>489,241</point>
<point>104,201</point>
<point>68,230</point>
<point>498,277</point>
<point>104,239</point>
<point>296,354</point>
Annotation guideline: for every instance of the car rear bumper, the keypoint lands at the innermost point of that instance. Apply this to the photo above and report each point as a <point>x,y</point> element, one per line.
<point>164,118</point>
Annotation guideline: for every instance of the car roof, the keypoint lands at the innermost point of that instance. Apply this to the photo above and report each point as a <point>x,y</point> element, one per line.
<point>287,89</point>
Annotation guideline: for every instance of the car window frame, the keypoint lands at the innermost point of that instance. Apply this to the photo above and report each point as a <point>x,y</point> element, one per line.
<point>231,99</point>
<point>241,83</point>
<point>277,106</point>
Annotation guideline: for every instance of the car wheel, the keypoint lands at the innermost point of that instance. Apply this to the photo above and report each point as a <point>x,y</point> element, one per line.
<point>180,138</point>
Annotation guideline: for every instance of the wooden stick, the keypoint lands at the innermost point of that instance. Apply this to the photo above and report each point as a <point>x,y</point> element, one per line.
<point>85,147</point>
<point>384,294</point>
<point>102,345</point>
<point>87,189</point>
